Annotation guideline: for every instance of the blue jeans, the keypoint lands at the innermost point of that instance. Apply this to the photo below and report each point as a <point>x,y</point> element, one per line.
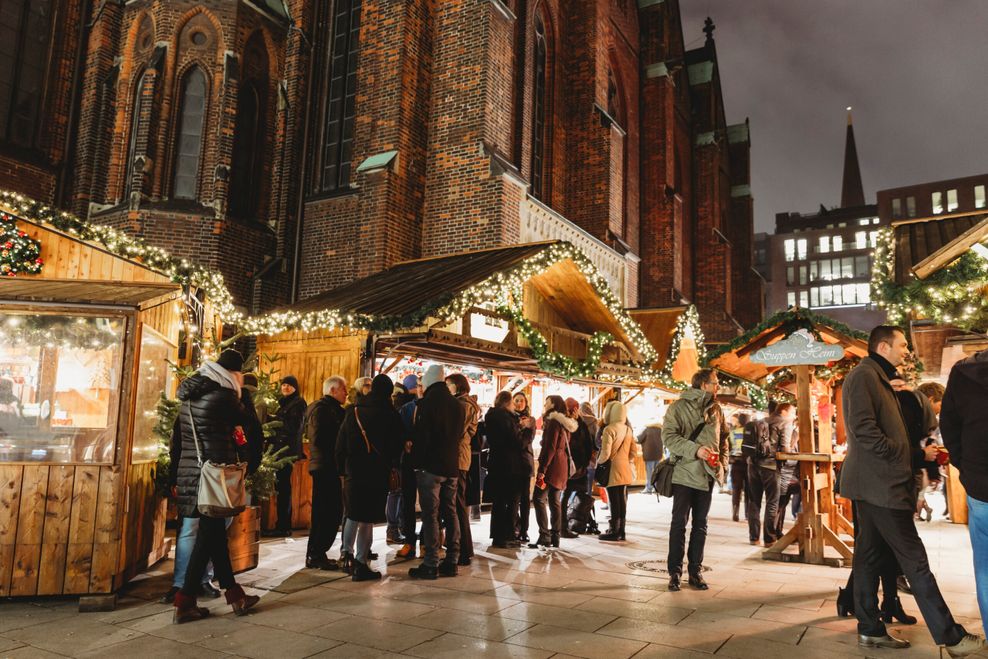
<point>183,550</point>
<point>393,511</point>
<point>649,467</point>
<point>978,527</point>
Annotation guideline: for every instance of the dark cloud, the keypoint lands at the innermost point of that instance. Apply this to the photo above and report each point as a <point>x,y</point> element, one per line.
<point>916,73</point>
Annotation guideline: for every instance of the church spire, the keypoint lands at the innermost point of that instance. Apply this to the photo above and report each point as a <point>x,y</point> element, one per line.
<point>852,191</point>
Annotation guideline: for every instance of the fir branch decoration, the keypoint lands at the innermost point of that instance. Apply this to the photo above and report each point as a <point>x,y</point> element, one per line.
<point>19,253</point>
<point>261,484</point>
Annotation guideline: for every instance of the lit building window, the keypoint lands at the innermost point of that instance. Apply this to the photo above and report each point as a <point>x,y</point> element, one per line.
<point>864,222</point>
<point>804,299</point>
<point>791,298</point>
<point>979,196</point>
<point>790,276</point>
<point>873,239</point>
<point>790,249</point>
<point>864,293</point>
<point>801,248</point>
<point>875,220</point>
<point>815,297</point>
<point>937,201</point>
<point>802,275</point>
<point>838,243</point>
<point>896,207</point>
<point>860,239</point>
<point>824,245</point>
<point>911,206</point>
<point>951,200</point>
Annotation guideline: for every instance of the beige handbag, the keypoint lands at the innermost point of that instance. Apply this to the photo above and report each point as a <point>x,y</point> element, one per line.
<point>222,488</point>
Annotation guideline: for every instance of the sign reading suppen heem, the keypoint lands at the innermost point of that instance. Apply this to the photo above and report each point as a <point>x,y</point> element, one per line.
<point>798,348</point>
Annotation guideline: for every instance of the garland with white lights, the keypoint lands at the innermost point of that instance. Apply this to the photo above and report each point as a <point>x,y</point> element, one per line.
<point>555,363</point>
<point>687,325</point>
<point>57,331</point>
<point>954,294</point>
<point>19,252</point>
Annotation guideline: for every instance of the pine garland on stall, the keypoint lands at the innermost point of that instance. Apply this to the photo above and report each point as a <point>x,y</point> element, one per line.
<point>19,253</point>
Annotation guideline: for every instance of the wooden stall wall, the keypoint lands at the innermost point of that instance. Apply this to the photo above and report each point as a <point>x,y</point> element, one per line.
<point>59,529</point>
<point>311,357</point>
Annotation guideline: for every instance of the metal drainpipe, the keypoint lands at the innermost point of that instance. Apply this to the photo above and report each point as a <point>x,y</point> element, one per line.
<point>67,164</point>
<point>303,166</point>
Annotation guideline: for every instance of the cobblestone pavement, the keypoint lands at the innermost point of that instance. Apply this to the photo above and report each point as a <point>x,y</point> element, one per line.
<point>585,599</point>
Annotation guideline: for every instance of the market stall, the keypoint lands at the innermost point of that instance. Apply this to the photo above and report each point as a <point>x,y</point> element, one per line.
<point>84,335</point>
<point>806,356</point>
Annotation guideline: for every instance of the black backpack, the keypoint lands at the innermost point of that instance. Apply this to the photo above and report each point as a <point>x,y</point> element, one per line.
<point>757,442</point>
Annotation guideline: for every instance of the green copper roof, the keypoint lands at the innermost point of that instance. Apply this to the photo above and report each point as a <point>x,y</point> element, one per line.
<point>378,161</point>
<point>740,190</point>
<point>642,4</point>
<point>701,72</point>
<point>273,7</point>
<point>658,70</point>
<point>737,133</point>
<point>703,139</point>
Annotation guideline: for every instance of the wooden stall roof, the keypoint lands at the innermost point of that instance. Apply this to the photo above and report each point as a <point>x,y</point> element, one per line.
<point>659,325</point>
<point>737,362</point>
<point>429,284</point>
<point>78,271</point>
<point>924,245</point>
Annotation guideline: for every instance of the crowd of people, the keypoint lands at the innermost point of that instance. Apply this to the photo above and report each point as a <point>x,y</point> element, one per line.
<point>379,451</point>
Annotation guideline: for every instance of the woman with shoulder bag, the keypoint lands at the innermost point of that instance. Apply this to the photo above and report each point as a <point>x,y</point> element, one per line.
<point>208,430</point>
<point>369,442</point>
<point>619,449</point>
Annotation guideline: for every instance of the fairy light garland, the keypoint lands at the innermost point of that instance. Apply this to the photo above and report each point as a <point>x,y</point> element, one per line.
<point>19,252</point>
<point>954,294</point>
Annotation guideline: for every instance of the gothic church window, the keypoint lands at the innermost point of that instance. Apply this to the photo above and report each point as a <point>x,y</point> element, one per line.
<point>539,111</point>
<point>25,41</point>
<point>249,144</point>
<point>137,109</point>
<point>334,157</point>
<point>192,109</point>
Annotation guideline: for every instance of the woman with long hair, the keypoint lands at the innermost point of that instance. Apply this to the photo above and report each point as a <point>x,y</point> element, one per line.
<point>508,471</point>
<point>526,424</point>
<point>553,471</point>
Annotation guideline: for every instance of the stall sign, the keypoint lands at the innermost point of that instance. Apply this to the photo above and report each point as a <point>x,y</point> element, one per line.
<point>797,349</point>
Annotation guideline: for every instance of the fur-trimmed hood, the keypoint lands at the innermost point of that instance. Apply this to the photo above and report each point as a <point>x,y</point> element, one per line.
<point>569,424</point>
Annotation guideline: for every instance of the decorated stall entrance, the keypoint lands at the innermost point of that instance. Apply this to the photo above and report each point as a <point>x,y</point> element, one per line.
<point>84,335</point>
<point>806,356</point>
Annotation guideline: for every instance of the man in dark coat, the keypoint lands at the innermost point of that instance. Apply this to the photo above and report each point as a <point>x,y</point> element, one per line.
<point>963,420</point>
<point>209,415</point>
<point>323,420</point>
<point>763,474</point>
<point>650,439</point>
<point>878,478</point>
<point>291,414</point>
<point>583,452</point>
<point>439,427</point>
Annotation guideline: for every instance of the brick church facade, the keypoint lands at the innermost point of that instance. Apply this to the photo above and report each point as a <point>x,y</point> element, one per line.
<point>298,145</point>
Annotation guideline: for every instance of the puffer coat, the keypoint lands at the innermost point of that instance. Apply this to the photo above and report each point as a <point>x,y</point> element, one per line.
<point>368,456</point>
<point>217,411</point>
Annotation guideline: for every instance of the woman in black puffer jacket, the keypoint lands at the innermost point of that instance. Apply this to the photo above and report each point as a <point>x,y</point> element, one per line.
<point>210,398</point>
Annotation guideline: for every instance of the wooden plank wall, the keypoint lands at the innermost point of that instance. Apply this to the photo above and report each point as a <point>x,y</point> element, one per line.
<point>314,356</point>
<point>59,531</point>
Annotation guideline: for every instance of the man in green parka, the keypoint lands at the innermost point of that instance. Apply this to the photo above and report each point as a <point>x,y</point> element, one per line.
<point>691,431</point>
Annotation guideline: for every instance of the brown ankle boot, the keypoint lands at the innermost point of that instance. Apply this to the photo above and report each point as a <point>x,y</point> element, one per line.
<point>186,609</point>
<point>239,600</point>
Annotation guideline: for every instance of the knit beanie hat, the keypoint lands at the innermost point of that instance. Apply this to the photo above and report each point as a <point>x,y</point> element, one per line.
<point>433,374</point>
<point>231,360</point>
<point>290,380</point>
<point>410,382</point>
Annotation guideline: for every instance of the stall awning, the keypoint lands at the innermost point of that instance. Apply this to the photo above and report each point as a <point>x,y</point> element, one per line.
<point>735,359</point>
<point>925,245</point>
<point>132,294</point>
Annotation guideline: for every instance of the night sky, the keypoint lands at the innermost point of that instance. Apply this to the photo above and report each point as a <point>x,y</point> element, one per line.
<point>915,72</point>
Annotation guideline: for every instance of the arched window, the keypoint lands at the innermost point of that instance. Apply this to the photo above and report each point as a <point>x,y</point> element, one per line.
<point>619,155</point>
<point>334,157</point>
<point>25,40</point>
<point>539,187</point>
<point>249,142</point>
<point>192,110</point>
<point>137,109</point>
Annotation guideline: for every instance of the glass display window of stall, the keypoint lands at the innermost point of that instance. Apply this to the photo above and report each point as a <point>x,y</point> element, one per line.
<point>60,381</point>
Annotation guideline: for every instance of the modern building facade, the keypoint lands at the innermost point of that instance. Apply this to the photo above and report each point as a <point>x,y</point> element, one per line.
<point>296,146</point>
<point>934,199</point>
<point>822,261</point>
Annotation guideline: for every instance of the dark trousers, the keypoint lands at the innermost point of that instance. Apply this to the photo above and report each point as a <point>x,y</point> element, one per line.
<point>409,492</point>
<point>786,494</point>
<point>881,530</point>
<point>210,546</point>
<point>739,476</point>
<point>687,501</point>
<point>283,487</point>
<point>504,505</point>
<point>888,572</point>
<point>551,522</point>
<point>762,482</point>
<point>327,511</point>
<point>617,501</point>
<point>524,506</point>
<point>437,496</point>
<point>463,517</point>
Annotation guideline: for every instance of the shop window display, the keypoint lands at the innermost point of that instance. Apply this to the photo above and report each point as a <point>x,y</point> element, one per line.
<point>60,379</point>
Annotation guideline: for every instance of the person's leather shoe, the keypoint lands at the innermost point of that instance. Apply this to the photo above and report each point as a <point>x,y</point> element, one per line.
<point>886,641</point>
<point>346,563</point>
<point>447,569</point>
<point>240,601</point>
<point>362,572</point>
<point>395,538</point>
<point>566,533</point>
<point>423,572</point>
<point>372,556</point>
<point>696,581</point>
<point>674,584</point>
<point>968,645</point>
<point>464,561</point>
<point>845,604</point>
<point>186,609</point>
<point>209,591</point>
<point>893,609</point>
<point>406,551</point>
<point>321,563</point>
